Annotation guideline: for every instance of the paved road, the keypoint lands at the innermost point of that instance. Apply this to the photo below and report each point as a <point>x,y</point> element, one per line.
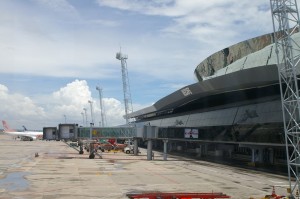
<point>60,172</point>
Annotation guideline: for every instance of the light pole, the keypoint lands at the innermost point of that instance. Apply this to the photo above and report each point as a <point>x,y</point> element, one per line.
<point>126,86</point>
<point>85,116</point>
<point>65,119</point>
<point>92,116</point>
<point>101,105</point>
<point>82,118</point>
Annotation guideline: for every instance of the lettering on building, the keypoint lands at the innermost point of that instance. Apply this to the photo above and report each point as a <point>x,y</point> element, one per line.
<point>186,91</point>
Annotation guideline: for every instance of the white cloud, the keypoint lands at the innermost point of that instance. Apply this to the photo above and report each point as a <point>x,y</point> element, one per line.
<point>211,22</point>
<point>69,100</point>
<point>15,107</point>
<point>108,23</point>
<point>60,6</point>
<point>85,47</point>
<point>75,93</point>
<point>155,7</point>
<point>114,111</point>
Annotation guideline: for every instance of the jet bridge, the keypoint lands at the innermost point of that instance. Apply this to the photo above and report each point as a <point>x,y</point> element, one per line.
<point>106,132</point>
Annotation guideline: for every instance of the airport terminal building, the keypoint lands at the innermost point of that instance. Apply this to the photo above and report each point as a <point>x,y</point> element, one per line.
<point>233,111</point>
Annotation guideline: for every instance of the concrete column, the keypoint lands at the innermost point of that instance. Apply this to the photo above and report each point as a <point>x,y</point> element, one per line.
<point>135,146</point>
<point>165,149</point>
<point>230,153</point>
<point>91,131</point>
<point>205,150</point>
<point>260,155</point>
<point>271,155</point>
<point>199,151</point>
<point>253,154</point>
<point>257,154</point>
<point>149,150</point>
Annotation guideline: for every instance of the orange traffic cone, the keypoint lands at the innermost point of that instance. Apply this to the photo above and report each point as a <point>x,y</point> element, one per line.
<point>273,192</point>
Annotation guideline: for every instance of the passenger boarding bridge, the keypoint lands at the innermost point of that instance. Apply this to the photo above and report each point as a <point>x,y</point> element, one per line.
<point>181,140</point>
<point>106,132</point>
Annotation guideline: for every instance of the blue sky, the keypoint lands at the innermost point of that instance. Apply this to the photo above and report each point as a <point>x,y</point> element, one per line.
<point>53,53</point>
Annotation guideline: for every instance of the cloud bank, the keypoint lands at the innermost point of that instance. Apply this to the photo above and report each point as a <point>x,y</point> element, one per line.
<point>68,100</point>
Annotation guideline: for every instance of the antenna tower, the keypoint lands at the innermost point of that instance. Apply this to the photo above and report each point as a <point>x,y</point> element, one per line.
<point>285,19</point>
<point>126,86</point>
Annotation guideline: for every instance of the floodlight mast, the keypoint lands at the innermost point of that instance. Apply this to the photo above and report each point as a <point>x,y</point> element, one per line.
<point>85,116</point>
<point>126,86</point>
<point>92,112</point>
<point>101,106</point>
<point>285,14</point>
<point>82,118</point>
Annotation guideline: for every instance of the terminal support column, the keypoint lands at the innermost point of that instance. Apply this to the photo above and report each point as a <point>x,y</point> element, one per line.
<point>165,149</point>
<point>199,151</point>
<point>91,131</point>
<point>149,149</point>
<point>204,150</point>
<point>271,155</point>
<point>135,146</point>
<point>257,153</point>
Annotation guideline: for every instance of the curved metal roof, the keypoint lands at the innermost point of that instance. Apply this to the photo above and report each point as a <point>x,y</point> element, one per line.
<point>239,80</point>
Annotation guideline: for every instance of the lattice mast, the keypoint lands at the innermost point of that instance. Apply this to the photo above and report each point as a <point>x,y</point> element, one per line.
<point>103,115</point>
<point>126,86</point>
<point>285,19</point>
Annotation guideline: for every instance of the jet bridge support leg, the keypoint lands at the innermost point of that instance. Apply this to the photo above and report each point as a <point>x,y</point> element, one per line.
<point>149,150</point>
<point>92,151</point>
<point>165,149</point>
<point>135,146</point>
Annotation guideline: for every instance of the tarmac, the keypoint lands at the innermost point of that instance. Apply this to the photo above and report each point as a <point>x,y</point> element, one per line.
<point>59,171</point>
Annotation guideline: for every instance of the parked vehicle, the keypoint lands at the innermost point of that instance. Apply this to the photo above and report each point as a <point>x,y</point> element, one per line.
<point>105,146</point>
<point>108,146</point>
<point>129,149</point>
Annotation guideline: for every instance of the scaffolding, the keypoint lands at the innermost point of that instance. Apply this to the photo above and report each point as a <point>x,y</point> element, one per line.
<point>285,19</point>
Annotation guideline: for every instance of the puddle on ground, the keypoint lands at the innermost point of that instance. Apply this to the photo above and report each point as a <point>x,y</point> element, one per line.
<point>14,181</point>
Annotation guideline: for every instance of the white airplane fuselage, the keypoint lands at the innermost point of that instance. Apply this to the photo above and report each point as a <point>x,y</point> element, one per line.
<point>31,135</point>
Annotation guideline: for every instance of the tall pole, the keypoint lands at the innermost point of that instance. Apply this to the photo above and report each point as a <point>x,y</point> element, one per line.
<point>101,106</point>
<point>65,119</point>
<point>285,18</point>
<point>85,117</point>
<point>82,118</point>
<point>126,86</point>
<point>92,115</point>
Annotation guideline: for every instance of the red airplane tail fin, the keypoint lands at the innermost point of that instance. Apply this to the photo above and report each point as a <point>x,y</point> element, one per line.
<point>6,127</point>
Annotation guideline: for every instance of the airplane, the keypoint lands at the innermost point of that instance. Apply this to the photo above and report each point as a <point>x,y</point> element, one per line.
<point>25,135</point>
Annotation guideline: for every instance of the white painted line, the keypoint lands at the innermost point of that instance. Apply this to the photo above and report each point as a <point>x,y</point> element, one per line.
<point>276,181</point>
<point>281,185</point>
